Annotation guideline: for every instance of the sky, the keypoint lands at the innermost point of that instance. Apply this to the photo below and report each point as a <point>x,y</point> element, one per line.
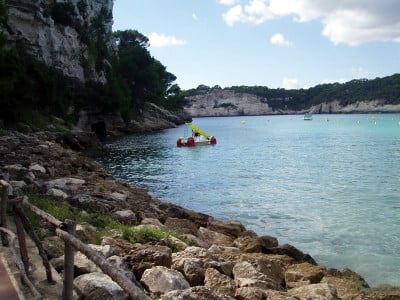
<point>276,43</point>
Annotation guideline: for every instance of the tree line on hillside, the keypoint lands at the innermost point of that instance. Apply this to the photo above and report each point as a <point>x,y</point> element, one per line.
<point>386,90</point>
<point>31,90</point>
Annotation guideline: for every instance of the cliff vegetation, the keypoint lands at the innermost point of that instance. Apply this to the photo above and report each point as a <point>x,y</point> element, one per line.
<point>37,82</point>
<point>386,90</point>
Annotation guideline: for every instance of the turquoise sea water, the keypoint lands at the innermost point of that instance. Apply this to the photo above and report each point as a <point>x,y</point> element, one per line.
<point>330,187</point>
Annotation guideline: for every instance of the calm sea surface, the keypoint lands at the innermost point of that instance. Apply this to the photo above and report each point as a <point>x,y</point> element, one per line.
<point>330,187</point>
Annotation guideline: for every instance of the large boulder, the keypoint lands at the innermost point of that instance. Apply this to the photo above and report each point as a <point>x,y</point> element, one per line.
<point>83,265</point>
<point>126,216</point>
<point>192,269</point>
<point>256,293</point>
<point>319,291</point>
<point>194,293</point>
<point>118,262</point>
<point>98,286</point>
<point>214,237</point>
<point>181,225</point>
<point>249,244</point>
<point>346,289</point>
<point>219,283</point>
<point>290,251</point>
<point>231,228</point>
<point>160,280</point>
<point>245,269</point>
<point>303,274</point>
<point>269,241</point>
<point>269,267</point>
<point>145,256</point>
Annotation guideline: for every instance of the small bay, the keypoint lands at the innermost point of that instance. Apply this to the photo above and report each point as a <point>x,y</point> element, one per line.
<point>330,186</point>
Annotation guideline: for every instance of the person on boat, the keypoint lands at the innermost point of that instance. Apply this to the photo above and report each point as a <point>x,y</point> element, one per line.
<point>197,137</point>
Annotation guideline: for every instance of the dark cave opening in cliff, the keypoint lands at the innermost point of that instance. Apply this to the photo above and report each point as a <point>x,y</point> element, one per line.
<point>99,129</point>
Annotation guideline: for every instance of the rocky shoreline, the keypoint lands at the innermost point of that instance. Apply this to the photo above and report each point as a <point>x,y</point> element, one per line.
<point>208,259</point>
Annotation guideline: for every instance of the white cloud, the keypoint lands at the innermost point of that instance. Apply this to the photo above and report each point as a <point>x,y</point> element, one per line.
<point>359,72</point>
<point>290,83</point>
<point>279,40</point>
<point>255,12</point>
<point>195,17</point>
<point>228,2</point>
<point>162,40</point>
<point>351,22</point>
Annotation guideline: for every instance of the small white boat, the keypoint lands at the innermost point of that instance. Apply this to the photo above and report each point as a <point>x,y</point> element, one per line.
<point>308,117</point>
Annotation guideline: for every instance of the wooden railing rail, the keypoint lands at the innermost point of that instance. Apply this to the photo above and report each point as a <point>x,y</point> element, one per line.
<point>65,231</point>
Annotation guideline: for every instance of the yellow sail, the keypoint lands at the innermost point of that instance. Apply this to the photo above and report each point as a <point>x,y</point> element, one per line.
<point>198,130</point>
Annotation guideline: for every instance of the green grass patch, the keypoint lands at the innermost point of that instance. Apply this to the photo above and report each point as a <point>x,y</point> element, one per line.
<point>105,223</point>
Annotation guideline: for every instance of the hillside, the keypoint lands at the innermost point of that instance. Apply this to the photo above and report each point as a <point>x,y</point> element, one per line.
<point>61,60</point>
<point>356,96</point>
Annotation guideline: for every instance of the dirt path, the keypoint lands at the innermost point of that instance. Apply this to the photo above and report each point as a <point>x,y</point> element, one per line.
<point>7,289</point>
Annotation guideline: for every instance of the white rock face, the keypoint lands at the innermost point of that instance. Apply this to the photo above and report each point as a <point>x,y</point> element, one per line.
<point>216,102</point>
<point>31,25</point>
<point>227,103</point>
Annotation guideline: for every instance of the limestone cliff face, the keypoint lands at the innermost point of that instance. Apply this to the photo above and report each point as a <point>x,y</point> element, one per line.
<point>55,32</point>
<point>357,107</point>
<point>216,102</point>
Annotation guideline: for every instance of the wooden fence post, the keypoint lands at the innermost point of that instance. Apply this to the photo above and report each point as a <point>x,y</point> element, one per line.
<point>29,228</point>
<point>22,242</point>
<point>3,223</point>
<point>20,265</point>
<point>68,285</point>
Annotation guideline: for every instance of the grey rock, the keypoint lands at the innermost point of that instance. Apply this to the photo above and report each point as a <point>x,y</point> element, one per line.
<point>122,265</point>
<point>214,237</point>
<point>105,250</point>
<point>231,228</point>
<point>160,280</point>
<point>219,283</point>
<point>18,184</point>
<point>194,293</point>
<point>37,168</point>
<point>193,271</point>
<point>65,183</point>
<point>126,216</point>
<point>95,284</point>
<point>319,291</point>
<point>57,193</point>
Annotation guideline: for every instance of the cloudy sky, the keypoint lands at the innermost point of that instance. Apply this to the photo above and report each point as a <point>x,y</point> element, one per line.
<point>274,43</point>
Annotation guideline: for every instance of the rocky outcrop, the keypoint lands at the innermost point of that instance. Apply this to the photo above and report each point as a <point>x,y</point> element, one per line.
<point>56,33</point>
<point>104,124</point>
<point>225,102</point>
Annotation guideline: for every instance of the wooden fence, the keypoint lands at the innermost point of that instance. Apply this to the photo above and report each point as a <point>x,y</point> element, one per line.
<point>65,231</point>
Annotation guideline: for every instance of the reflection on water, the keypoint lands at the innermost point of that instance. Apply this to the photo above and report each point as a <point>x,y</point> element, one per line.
<point>329,188</point>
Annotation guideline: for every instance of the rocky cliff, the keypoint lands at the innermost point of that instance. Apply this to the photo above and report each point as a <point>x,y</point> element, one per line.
<point>59,33</point>
<point>226,102</point>
<point>218,102</point>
